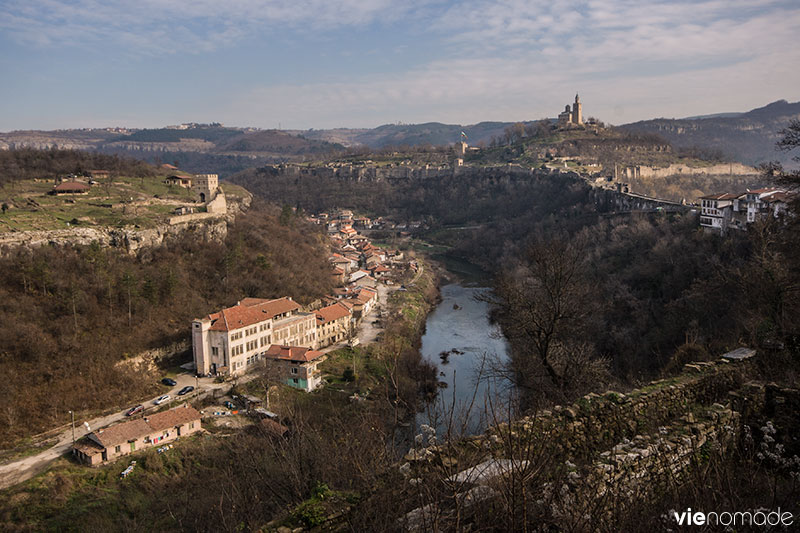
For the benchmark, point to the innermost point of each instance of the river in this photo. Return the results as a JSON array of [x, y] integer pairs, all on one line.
[[460, 327]]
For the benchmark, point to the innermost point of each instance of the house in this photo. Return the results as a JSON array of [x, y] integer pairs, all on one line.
[[181, 180], [720, 212], [232, 340], [381, 271], [344, 263], [297, 366], [71, 187], [717, 210], [347, 232], [338, 275], [121, 439], [184, 210], [333, 324], [99, 174]]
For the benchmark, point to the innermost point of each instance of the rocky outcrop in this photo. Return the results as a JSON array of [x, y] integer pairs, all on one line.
[[207, 226]]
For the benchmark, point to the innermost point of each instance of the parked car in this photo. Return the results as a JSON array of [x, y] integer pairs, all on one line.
[[133, 410], [186, 390], [162, 399], [169, 382]]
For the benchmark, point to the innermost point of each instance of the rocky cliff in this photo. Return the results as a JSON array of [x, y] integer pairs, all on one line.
[[132, 239]]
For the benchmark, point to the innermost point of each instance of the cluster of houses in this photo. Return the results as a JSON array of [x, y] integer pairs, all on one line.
[[278, 335], [287, 337], [724, 211]]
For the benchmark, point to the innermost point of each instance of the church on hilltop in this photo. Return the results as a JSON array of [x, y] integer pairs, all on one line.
[[572, 117]]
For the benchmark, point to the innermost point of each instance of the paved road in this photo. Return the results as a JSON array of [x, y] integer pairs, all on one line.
[[22, 469]]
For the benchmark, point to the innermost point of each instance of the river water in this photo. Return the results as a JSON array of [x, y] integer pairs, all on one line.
[[475, 395]]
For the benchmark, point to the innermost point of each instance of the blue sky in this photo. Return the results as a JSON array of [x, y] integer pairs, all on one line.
[[362, 63]]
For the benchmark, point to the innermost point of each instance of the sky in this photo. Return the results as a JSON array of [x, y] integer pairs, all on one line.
[[300, 64]]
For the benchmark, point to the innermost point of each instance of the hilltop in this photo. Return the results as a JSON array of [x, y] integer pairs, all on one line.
[[192, 147], [53, 197], [745, 137]]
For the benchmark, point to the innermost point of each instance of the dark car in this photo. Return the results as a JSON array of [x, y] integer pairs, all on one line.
[[133, 410], [186, 390], [169, 382]]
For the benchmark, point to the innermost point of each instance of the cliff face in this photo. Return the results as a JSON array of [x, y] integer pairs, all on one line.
[[131, 239]]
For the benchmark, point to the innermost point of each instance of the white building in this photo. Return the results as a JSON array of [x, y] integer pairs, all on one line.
[[231, 340]]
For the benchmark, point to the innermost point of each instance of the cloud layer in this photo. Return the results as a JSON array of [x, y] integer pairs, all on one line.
[[488, 59]]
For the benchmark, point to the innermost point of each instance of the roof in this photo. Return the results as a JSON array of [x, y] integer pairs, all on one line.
[[134, 429], [250, 311], [332, 312], [172, 418], [763, 190], [292, 353], [171, 167], [365, 295], [121, 433], [720, 196], [71, 186]]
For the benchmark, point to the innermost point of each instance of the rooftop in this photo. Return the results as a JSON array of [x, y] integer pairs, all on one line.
[[250, 311]]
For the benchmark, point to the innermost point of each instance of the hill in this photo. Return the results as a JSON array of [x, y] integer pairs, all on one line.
[[748, 138], [126, 193], [194, 147]]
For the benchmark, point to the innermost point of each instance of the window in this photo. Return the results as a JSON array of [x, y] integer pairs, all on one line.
[[294, 380], [118, 449], [294, 370], [214, 350], [191, 425]]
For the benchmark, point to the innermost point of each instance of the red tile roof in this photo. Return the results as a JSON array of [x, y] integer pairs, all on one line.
[[292, 353], [135, 429], [173, 418], [250, 311], [332, 312]]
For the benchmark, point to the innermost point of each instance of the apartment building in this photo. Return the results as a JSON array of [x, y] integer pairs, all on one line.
[[233, 339]]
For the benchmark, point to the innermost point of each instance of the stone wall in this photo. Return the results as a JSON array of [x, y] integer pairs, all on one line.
[[722, 169]]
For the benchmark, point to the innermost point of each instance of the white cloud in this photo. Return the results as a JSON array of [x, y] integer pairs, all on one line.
[[161, 26], [630, 63]]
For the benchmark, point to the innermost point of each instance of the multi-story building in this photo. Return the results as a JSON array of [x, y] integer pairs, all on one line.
[[231, 340], [720, 212], [334, 324], [716, 210], [296, 366], [121, 439]]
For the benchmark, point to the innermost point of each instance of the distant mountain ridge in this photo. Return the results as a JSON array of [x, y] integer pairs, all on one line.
[[748, 137]]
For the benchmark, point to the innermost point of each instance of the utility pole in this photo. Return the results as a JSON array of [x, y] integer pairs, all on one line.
[[73, 430]]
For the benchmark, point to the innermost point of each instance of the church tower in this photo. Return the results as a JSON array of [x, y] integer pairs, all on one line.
[[577, 111]]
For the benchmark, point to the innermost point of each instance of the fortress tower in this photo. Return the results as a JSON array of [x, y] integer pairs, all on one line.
[[577, 111]]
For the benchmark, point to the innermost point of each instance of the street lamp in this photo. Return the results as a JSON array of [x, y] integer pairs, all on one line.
[[73, 430]]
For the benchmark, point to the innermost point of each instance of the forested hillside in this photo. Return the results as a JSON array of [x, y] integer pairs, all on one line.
[[68, 315]]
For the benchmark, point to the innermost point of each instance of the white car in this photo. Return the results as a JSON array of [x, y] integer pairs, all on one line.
[[162, 399]]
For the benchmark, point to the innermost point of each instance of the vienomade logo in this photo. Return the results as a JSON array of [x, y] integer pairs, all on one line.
[[760, 517]]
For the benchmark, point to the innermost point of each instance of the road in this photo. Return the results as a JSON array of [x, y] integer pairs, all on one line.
[[25, 468]]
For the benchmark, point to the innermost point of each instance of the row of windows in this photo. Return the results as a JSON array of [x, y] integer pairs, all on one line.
[[236, 336]]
